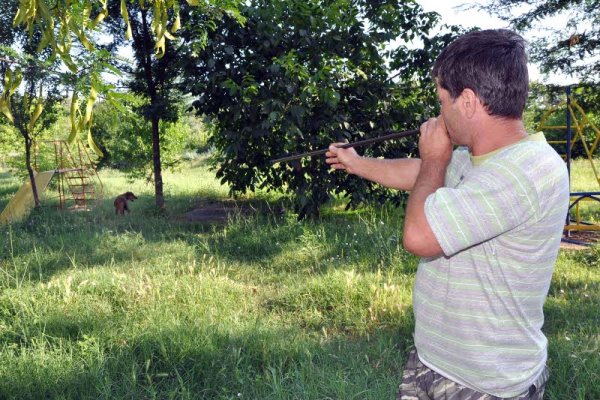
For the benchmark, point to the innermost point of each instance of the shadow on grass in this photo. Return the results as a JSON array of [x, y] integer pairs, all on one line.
[[89, 352], [204, 361], [281, 244], [50, 241]]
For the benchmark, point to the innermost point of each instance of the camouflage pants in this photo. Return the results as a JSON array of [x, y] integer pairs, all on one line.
[[421, 383]]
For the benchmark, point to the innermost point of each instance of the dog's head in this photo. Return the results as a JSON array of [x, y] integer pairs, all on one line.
[[130, 196]]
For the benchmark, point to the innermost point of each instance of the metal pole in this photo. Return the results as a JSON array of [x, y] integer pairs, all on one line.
[[569, 139]]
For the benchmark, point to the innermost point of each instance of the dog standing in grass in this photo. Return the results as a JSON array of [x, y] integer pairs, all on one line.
[[121, 202]]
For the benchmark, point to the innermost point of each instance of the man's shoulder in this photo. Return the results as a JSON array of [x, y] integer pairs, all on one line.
[[538, 168], [533, 144], [536, 159]]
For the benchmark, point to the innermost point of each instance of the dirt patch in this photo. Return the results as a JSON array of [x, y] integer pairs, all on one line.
[[580, 240], [218, 212]]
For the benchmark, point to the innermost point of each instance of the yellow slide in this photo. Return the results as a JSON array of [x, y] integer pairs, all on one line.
[[22, 202]]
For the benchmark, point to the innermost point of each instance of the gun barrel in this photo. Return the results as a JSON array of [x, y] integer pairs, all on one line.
[[383, 138]]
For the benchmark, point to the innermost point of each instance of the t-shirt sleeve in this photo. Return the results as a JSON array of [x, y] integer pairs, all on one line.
[[492, 199]]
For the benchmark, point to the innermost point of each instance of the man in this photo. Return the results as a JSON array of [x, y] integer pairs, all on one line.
[[486, 219]]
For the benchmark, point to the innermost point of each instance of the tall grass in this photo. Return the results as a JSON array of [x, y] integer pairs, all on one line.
[[145, 306], [583, 179]]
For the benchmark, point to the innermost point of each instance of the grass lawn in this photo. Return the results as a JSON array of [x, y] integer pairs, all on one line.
[[99, 306]]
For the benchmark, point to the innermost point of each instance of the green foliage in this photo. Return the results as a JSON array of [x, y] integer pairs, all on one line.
[[8, 8], [23, 106], [36, 43], [298, 76], [9, 144], [30, 91], [148, 76], [12, 155], [64, 28], [154, 74], [125, 137], [30, 82], [17, 138]]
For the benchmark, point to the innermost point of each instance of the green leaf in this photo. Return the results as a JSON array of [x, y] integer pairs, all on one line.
[[115, 102], [273, 116], [112, 68]]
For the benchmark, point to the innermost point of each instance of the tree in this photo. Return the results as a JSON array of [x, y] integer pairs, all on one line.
[[8, 9], [155, 73], [126, 138], [300, 74], [34, 108], [571, 47], [569, 44], [69, 25], [153, 77]]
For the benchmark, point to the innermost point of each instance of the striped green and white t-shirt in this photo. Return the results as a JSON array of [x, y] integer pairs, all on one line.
[[478, 309]]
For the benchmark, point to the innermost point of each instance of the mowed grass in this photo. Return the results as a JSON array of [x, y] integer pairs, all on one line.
[[151, 306]]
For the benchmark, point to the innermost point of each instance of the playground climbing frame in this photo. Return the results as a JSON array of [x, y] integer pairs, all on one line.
[[77, 179], [578, 130]]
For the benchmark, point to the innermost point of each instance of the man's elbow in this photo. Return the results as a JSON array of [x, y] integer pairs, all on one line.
[[422, 244]]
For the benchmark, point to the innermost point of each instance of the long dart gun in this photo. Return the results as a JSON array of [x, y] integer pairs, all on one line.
[[393, 135]]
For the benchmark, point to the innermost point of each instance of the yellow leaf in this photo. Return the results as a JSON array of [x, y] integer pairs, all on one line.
[[125, 15], [73, 116], [12, 80], [90, 106], [18, 17], [98, 20], [93, 145], [168, 35], [101, 15], [160, 47], [39, 108], [82, 38], [66, 58], [87, 11], [361, 73], [177, 24], [5, 109], [44, 11]]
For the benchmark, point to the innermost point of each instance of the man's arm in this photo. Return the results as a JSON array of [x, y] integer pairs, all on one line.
[[400, 173], [436, 150]]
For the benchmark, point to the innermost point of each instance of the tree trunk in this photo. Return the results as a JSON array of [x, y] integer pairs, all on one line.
[[36, 199], [158, 183], [146, 61]]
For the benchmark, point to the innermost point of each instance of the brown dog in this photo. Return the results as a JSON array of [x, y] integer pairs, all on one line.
[[121, 202]]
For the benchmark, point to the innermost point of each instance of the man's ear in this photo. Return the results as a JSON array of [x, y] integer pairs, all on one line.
[[469, 102]]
